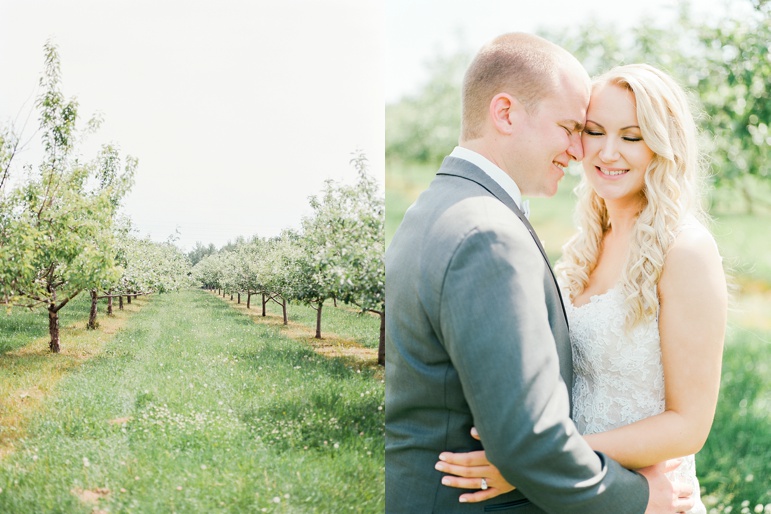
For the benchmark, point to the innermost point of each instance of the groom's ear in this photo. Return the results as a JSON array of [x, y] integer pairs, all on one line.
[[505, 112]]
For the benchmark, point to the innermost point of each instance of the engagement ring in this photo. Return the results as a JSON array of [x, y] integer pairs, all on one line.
[[484, 484]]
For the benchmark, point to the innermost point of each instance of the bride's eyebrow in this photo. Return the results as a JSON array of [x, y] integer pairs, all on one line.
[[622, 128]]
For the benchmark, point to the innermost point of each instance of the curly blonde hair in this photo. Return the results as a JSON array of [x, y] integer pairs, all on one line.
[[673, 186]]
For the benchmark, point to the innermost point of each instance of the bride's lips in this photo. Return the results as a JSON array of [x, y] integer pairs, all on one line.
[[611, 173]]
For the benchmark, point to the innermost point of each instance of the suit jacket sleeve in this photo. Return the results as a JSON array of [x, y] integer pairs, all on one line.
[[494, 325]]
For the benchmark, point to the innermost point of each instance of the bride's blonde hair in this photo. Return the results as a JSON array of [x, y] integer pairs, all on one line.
[[672, 190]]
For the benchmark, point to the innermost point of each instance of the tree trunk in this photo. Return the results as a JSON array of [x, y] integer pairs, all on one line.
[[128, 299], [53, 328], [318, 320], [231, 296], [248, 299], [239, 298], [334, 301], [381, 346], [91, 325], [264, 301], [120, 303], [109, 303], [283, 305]]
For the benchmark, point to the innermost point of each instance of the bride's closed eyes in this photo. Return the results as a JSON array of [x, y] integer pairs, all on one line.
[[595, 132]]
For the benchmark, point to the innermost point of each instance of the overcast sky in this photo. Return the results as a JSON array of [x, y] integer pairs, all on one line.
[[238, 110], [417, 31]]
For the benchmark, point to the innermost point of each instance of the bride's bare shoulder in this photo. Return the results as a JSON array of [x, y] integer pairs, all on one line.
[[692, 234], [694, 255]]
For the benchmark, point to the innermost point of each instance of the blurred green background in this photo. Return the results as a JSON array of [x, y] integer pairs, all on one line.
[[727, 68]]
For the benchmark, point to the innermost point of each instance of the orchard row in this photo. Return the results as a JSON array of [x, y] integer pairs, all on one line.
[[338, 255], [61, 233]]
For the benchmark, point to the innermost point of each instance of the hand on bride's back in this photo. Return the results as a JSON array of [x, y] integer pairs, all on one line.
[[666, 496], [466, 471]]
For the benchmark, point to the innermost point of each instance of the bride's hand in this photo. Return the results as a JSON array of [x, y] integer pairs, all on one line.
[[469, 470]]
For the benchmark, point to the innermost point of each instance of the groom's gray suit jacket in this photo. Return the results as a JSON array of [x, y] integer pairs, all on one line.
[[476, 334]]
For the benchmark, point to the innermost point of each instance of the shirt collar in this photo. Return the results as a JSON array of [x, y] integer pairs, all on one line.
[[494, 172]]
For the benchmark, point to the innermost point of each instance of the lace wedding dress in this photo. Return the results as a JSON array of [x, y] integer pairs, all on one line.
[[619, 377]]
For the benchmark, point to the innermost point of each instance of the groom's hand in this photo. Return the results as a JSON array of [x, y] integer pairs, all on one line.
[[665, 496]]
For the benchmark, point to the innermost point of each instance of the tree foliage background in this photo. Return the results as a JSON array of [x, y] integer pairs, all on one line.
[[725, 66]]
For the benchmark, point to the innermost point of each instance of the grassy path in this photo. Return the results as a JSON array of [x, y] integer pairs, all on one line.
[[29, 373], [193, 407], [355, 338]]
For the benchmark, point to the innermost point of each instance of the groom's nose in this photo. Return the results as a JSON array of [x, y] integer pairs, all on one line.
[[576, 149]]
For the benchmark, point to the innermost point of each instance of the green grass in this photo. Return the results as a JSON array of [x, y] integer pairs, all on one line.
[[344, 320], [735, 464], [745, 246], [194, 407], [19, 325]]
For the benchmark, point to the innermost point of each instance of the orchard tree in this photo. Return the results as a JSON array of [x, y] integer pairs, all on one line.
[[229, 264], [355, 245], [61, 219], [276, 267], [200, 251], [308, 283], [208, 272], [113, 183], [146, 267], [251, 258], [346, 239], [9, 144], [733, 84], [14, 246]]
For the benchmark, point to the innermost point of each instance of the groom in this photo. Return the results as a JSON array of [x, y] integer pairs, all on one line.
[[476, 333]]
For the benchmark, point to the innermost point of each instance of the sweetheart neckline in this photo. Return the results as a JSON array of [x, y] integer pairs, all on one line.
[[594, 298]]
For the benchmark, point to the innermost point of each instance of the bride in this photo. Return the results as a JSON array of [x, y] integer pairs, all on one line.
[[643, 284]]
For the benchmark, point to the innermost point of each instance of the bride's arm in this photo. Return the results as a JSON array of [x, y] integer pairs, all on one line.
[[692, 320]]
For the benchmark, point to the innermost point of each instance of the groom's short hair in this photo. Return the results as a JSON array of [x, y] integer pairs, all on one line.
[[523, 65]]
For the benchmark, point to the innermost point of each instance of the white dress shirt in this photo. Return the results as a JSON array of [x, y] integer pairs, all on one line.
[[497, 174]]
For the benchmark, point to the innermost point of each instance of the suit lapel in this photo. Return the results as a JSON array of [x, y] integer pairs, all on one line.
[[460, 168]]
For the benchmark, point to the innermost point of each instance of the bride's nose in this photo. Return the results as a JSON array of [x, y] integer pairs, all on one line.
[[609, 151]]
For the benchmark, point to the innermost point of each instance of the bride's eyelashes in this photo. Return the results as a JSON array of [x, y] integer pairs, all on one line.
[[596, 133]]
